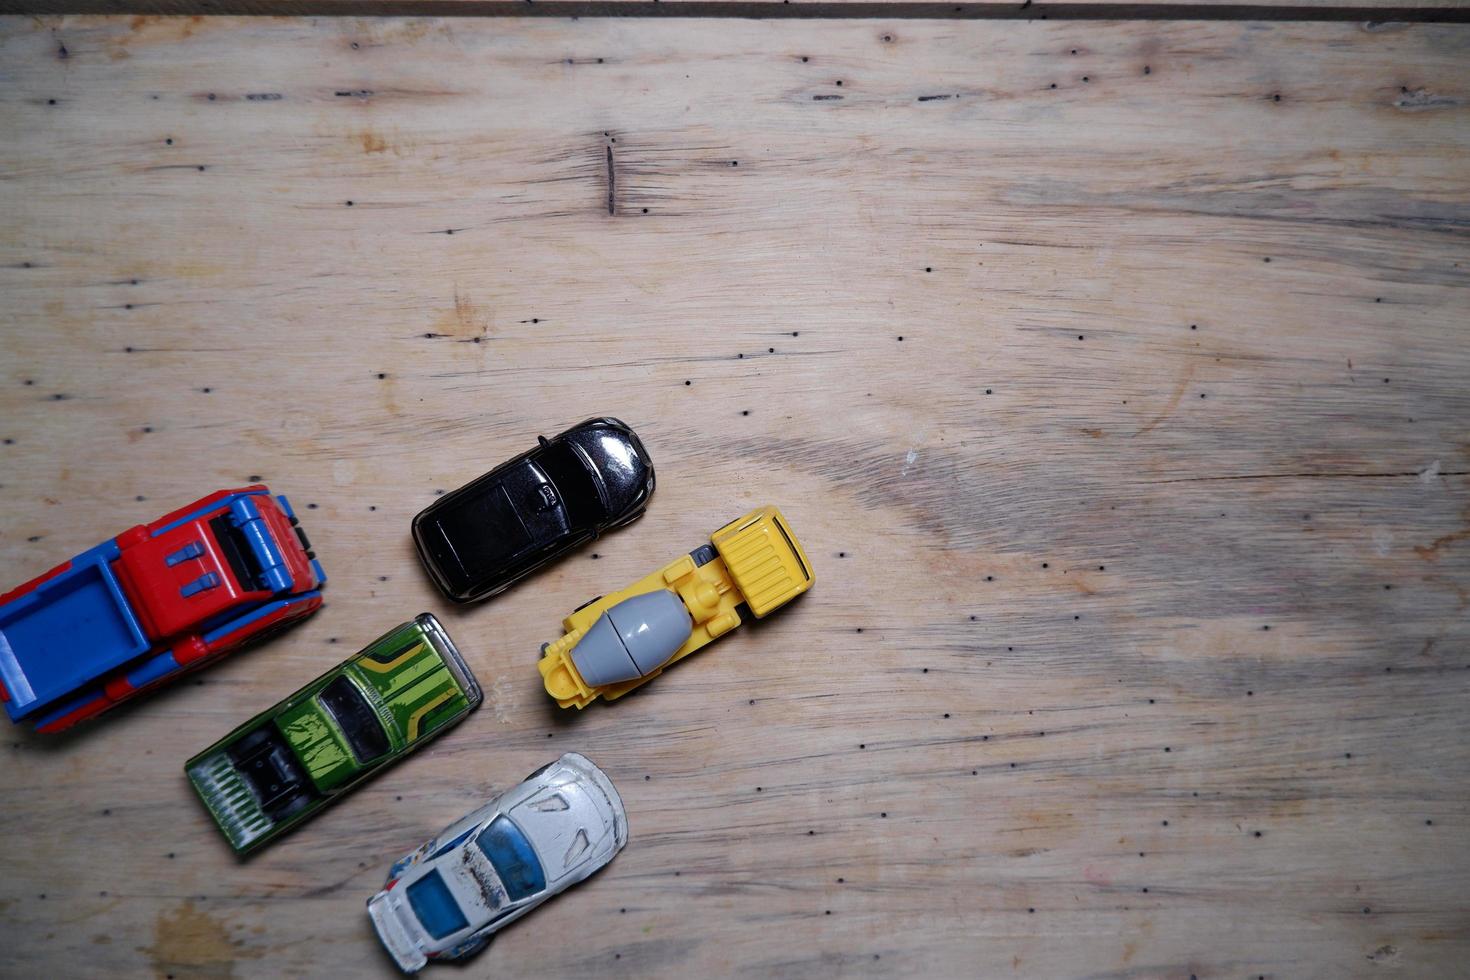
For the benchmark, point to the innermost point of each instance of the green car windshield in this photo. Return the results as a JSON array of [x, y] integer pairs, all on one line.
[[356, 718]]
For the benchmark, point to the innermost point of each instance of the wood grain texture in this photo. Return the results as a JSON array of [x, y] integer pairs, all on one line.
[[1114, 376], [1373, 12]]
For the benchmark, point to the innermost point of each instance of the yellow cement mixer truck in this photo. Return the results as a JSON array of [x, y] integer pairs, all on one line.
[[620, 641]]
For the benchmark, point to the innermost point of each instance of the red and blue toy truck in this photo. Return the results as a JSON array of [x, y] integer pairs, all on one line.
[[157, 600]]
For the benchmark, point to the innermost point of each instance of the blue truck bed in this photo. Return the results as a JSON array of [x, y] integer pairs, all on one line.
[[85, 604]]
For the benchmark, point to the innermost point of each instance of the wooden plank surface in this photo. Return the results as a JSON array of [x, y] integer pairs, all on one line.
[[1114, 376], [1375, 11]]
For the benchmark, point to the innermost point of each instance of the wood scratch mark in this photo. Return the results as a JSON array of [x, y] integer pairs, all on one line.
[[1430, 552], [1173, 403], [612, 183]]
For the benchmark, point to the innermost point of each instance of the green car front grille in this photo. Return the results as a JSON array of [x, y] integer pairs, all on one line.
[[230, 801]]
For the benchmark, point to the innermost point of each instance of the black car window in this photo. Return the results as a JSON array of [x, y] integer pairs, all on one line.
[[357, 719], [477, 533], [574, 484], [237, 553]]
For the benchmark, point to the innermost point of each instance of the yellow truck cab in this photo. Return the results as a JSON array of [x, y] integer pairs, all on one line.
[[617, 642]]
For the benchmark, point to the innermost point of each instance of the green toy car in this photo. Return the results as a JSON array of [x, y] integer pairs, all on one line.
[[290, 761]]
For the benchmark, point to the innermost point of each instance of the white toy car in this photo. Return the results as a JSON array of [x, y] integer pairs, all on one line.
[[445, 900]]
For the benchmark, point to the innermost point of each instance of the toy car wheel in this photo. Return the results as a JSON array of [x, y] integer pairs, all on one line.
[[469, 947]]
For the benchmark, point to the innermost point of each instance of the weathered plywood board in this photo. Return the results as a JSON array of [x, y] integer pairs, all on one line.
[[1114, 376], [1455, 11]]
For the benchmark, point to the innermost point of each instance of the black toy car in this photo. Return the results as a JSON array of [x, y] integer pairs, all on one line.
[[491, 533]]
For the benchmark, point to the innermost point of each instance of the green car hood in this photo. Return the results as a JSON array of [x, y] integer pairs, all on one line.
[[413, 685]]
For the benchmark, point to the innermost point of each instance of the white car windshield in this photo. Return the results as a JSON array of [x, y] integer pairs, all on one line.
[[432, 902], [513, 857]]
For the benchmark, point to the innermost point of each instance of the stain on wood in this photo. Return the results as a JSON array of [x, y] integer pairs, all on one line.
[[1100, 676], [188, 941]]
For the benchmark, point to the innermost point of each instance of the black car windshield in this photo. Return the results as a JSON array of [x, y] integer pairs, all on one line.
[[574, 484], [357, 719], [237, 553]]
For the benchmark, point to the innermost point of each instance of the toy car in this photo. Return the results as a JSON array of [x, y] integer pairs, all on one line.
[[484, 537], [445, 900], [616, 643], [290, 761], [159, 599]]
